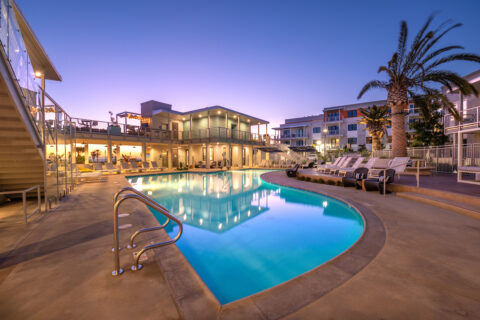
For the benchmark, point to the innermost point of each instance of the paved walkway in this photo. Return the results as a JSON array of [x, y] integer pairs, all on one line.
[[60, 265], [428, 268]]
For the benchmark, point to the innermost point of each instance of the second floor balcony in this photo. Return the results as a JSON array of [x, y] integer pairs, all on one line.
[[470, 121], [87, 128]]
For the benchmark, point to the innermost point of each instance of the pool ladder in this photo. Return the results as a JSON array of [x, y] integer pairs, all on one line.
[[136, 195]]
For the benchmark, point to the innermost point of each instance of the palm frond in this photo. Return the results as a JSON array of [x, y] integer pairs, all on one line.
[[454, 57], [440, 51], [442, 76], [402, 41], [372, 84]]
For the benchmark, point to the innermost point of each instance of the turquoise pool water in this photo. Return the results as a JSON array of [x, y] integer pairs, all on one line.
[[243, 235]]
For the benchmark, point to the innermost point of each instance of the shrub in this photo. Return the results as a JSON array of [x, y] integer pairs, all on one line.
[[339, 183], [308, 179], [301, 178], [331, 182], [321, 181]]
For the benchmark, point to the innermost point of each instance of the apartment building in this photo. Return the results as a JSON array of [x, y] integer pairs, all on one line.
[[338, 127]]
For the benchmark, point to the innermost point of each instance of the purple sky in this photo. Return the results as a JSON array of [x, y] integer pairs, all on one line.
[[271, 59]]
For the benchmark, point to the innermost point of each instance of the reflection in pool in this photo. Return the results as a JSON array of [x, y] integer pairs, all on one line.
[[243, 235]]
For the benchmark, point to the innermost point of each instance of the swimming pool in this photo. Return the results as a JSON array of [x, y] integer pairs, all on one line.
[[243, 235]]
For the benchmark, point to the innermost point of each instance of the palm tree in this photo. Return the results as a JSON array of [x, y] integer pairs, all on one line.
[[376, 119], [413, 70]]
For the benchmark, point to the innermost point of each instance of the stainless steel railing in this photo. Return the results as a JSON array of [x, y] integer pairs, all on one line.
[[152, 204]]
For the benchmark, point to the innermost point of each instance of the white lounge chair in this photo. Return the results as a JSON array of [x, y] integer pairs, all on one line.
[[338, 161], [355, 165], [347, 163], [125, 167], [97, 166], [135, 167]]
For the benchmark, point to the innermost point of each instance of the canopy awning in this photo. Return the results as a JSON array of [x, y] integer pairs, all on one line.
[[269, 149], [302, 149]]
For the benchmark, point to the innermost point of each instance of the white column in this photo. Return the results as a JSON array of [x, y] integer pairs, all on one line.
[[459, 154], [170, 155], [207, 156], [241, 156], [109, 153], [208, 123], [144, 151]]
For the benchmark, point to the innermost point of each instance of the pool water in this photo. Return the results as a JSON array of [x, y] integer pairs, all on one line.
[[243, 235]]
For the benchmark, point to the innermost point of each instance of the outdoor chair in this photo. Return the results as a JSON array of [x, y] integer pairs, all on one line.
[[292, 172], [308, 166], [354, 177], [135, 166], [356, 164], [347, 163], [110, 168], [98, 167], [378, 183], [327, 166], [146, 166], [125, 167], [155, 166]]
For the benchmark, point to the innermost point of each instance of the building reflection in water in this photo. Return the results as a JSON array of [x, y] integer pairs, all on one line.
[[221, 201], [216, 201]]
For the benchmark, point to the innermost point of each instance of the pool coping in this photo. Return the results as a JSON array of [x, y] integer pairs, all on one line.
[[195, 300]]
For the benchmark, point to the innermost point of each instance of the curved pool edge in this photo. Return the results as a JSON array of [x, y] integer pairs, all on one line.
[[292, 295], [195, 300]]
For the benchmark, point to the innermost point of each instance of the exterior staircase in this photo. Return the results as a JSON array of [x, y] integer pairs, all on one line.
[[21, 162]]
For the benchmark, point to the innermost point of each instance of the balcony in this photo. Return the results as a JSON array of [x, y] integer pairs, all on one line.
[[93, 129], [470, 121]]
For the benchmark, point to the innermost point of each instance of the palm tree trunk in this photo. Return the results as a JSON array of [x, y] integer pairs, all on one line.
[[397, 100], [376, 144]]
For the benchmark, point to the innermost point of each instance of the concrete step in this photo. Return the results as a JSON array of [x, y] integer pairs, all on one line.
[[456, 206]]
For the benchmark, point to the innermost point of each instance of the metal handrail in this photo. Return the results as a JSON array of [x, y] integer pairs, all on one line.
[[152, 204]]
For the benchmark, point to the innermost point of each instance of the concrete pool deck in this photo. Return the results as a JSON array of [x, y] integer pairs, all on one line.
[[60, 266]]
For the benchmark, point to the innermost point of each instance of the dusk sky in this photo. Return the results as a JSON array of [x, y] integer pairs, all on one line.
[[270, 59]]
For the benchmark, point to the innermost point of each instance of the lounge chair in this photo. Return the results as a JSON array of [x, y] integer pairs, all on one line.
[[309, 165], [347, 163], [146, 166], [293, 171], [135, 166], [86, 175], [327, 166], [379, 183], [125, 167], [357, 175], [111, 168], [97, 166], [155, 166], [356, 164]]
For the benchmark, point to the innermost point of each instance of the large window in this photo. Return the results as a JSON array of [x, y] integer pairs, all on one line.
[[333, 116], [286, 133], [333, 130], [352, 141], [299, 132], [317, 130], [352, 113], [299, 143], [352, 127]]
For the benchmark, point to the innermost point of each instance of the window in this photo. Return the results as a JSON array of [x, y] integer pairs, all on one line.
[[299, 143], [286, 133], [317, 130], [352, 113], [369, 140], [352, 127], [333, 130], [411, 108], [333, 116], [299, 132], [352, 141]]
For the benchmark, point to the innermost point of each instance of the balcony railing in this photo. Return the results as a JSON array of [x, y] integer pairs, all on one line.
[[96, 128], [470, 120]]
